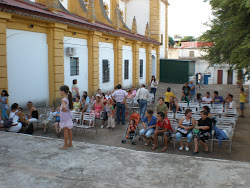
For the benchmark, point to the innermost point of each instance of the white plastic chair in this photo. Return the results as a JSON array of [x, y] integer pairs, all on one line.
[[216, 111], [88, 122], [196, 116], [191, 108], [179, 115], [170, 115], [76, 117], [229, 131]]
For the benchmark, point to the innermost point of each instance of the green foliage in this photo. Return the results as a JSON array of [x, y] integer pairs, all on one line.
[[230, 32], [188, 38], [170, 41]]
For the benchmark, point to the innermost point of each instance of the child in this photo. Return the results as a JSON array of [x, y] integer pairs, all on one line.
[[243, 96], [131, 128], [57, 121], [66, 122], [169, 94], [163, 127], [49, 120], [4, 104], [111, 114], [75, 90], [77, 104], [184, 98]]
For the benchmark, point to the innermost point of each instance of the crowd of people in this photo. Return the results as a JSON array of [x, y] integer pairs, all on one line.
[[114, 104]]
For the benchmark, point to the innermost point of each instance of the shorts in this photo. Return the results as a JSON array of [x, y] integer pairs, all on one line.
[[46, 122], [168, 133], [57, 121], [242, 106]]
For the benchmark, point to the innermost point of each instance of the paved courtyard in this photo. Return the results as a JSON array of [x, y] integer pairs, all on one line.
[[240, 147], [29, 161]]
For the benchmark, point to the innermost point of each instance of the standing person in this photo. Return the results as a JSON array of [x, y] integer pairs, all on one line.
[[217, 99], [200, 80], [120, 97], [153, 86], [186, 89], [243, 97], [66, 122], [109, 108], [192, 91], [4, 104], [75, 90], [142, 95], [169, 94]]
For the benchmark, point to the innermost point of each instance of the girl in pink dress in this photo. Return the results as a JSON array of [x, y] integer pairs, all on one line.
[[97, 107], [66, 122]]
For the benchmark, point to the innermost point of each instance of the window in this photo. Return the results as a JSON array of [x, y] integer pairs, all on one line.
[[191, 53], [74, 66], [105, 71], [141, 68], [126, 67]]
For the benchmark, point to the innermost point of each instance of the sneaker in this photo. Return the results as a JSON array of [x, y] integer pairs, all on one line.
[[187, 148], [101, 126], [181, 148]]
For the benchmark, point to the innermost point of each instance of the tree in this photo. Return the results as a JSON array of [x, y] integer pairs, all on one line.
[[170, 41], [188, 38], [230, 34]]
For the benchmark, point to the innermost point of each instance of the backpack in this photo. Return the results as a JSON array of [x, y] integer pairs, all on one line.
[[7, 124]]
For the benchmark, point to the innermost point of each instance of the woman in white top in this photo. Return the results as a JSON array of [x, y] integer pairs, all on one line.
[[15, 114], [153, 86]]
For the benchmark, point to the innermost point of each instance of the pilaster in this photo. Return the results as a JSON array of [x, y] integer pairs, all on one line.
[[56, 61], [93, 66], [135, 49], [155, 19], [158, 63], [148, 63], [166, 31], [3, 52], [118, 74]]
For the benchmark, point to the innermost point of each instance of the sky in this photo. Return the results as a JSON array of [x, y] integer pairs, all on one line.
[[186, 17]]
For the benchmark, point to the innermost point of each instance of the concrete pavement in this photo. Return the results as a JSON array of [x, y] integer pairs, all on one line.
[[29, 161]]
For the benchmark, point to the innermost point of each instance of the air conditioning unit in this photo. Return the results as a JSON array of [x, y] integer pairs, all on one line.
[[70, 51]]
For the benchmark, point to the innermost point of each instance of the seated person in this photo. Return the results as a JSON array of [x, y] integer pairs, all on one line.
[[130, 95], [184, 98], [97, 106], [205, 128], [217, 99], [207, 98], [131, 128], [85, 106], [186, 124], [198, 98], [149, 124], [169, 94], [57, 121], [32, 116], [161, 106], [49, 120], [108, 95], [77, 104], [173, 106], [163, 127]]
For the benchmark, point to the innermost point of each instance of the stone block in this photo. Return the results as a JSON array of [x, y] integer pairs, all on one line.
[[2, 50], [3, 38], [3, 83], [59, 69], [3, 72], [3, 61], [59, 78], [58, 61]]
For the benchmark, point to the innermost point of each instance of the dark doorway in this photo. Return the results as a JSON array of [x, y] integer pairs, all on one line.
[[230, 77], [220, 77]]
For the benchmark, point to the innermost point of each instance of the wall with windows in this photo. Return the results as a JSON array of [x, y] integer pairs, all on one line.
[[142, 66], [106, 66], [76, 67], [127, 66], [27, 62]]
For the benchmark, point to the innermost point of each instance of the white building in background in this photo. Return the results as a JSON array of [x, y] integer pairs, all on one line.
[[217, 74]]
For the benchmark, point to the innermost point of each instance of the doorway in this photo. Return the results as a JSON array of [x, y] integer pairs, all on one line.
[[230, 77], [220, 77]]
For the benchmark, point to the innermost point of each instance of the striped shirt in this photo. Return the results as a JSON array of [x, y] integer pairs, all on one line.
[[119, 95]]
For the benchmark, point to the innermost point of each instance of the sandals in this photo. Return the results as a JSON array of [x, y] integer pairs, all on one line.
[[153, 148], [63, 148], [164, 149]]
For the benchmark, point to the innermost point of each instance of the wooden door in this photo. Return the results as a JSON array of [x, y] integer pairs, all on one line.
[[220, 77], [230, 77]]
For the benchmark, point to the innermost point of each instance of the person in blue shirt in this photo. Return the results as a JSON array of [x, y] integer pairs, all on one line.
[[149, 124], [217, 99], [192, 91], [57, 127]]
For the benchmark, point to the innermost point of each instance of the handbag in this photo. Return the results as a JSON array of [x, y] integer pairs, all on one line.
[[183, 131], [7, 124], [196, 131]]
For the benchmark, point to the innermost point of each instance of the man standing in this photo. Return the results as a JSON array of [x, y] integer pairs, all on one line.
[[192, 91], [142, 95], [186, 90], [120, 97]]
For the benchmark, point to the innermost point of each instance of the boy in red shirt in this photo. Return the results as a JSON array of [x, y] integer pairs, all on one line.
[[163, 127]]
